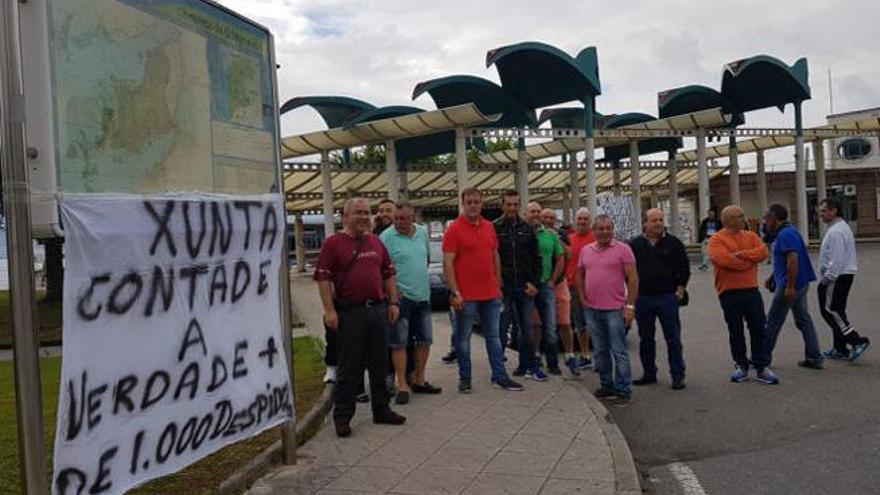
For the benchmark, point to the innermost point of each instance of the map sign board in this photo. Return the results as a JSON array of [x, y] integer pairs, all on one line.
[[131, 96]]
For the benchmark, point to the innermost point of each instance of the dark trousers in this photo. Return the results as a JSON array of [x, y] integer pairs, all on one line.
[[518, 309], [361, 341], [662, 307], [832, 303], [740, 305]]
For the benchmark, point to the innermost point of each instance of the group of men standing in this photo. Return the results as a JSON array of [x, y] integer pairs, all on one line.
[[530, 285]]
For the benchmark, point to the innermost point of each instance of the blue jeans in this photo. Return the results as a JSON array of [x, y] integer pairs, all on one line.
[[610, 355], [799, 309], [545, 302], [746, 304], [519, 308], [488, 313], [453, 335], [413, 325], [663, 307]]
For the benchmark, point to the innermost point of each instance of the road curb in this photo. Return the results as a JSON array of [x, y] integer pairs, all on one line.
[[626, 476], [244, 477]]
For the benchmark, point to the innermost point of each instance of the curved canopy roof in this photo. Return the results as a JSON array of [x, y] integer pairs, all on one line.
[[380, 131], [646, 146], [429, 188], [541, 75], [763, 81], [489, 97], [335, 110], [693, 98], [571, 118]]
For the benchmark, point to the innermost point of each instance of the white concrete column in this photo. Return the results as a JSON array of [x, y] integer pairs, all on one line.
[[655, 198], [672, 166], [635, 178], [615, 171], [461, 171], [761, 180], [403, 183], [522, 172], [800, 173], [327, 194], [574, 184], [821, 184], [566, 205], [590, 158], [703, 200], [391, 171], [298, 231], [735, 198]]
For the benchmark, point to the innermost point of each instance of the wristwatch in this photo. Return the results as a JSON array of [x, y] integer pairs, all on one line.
[[630, 306], [455, 293]]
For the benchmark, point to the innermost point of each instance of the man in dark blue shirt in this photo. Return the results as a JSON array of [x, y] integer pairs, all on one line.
[[790, 282]]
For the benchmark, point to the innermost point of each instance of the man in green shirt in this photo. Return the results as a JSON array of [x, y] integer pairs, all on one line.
[[552, 265], [408, 245]]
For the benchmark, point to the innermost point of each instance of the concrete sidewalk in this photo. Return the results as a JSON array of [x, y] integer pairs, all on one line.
[[554, 437]]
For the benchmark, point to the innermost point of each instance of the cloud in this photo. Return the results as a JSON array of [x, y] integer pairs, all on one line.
[[377, 50]]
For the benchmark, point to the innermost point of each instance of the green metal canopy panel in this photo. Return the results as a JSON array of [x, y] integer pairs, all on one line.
[[541, 75], [489, 97], [570, 118], [763, 81], [693, 98], [335, 110], [409, 149], [703, 119], [380, 131], [646, 146]]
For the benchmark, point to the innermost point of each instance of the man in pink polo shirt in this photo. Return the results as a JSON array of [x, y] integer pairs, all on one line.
[[608, 284]]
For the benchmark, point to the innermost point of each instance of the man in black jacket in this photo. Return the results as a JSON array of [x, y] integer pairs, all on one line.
[[520, 273], [664, 271]]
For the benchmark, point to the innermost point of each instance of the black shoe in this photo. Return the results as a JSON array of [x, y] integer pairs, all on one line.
[[554, 370], [808, 363], [389, 418], [519, 372], [362, 397], [464, 386], [507, 384], [343, 429], [645, 380], [677, 384], [426, 388], [604, 393], [450, 357], [401, 398]]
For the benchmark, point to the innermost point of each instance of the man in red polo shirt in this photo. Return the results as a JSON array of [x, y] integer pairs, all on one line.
[[473, 268], [359, 293], [582, 236]]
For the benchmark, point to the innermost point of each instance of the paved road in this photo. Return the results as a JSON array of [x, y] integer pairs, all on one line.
[[817, 432]]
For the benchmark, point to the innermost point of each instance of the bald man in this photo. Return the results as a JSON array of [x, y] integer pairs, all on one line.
[[664, 271], [736, 254]]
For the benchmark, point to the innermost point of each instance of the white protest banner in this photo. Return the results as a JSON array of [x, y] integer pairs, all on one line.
[[172, 334]]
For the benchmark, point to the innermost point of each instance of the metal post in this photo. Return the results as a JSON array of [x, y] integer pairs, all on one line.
[[298, 231], [655, 198], [566, 205], [574, 184], [19, 247], [590, 155], [327, 195], [672, 166], [391, 171], [734, 173], [461, 171], [703, 201], [800, 172], [821, 184], [522, 172], [635, 179], [761, 177]]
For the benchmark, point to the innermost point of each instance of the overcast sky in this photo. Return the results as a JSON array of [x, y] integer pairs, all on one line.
[[378, 50]]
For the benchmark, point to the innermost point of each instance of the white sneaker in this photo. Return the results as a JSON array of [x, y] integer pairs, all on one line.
[[330, 375]]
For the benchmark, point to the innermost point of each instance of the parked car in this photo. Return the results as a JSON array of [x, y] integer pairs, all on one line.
[[439, 289]]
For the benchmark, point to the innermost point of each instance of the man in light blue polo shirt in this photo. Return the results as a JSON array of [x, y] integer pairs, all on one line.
[[408, 245]]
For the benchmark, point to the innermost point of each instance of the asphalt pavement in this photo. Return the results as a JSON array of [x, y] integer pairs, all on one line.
[[816, 432]]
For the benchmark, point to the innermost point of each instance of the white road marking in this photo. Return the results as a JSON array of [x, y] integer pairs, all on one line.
[[690, 484]]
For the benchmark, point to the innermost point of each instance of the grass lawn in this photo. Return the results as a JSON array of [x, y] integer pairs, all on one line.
[[48, 316], [202, 477]]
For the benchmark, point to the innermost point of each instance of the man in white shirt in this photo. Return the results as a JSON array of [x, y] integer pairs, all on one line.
[[837, 269]]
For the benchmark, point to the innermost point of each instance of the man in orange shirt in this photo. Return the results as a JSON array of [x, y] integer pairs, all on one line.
[[736, 254]]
